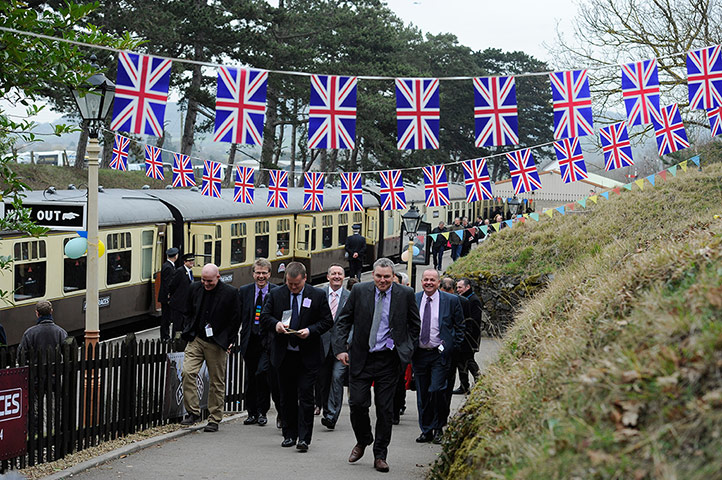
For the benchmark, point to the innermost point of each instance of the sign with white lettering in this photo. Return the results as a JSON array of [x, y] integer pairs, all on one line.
[[102, 302], [13, 412], [55, 215]]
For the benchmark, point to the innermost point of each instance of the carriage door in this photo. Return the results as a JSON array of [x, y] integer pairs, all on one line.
[[372, 226], [304, 230], [203, 236]]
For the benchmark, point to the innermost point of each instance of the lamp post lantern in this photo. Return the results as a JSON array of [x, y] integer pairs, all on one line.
[[412, 221], [514, 206], [93, 100]]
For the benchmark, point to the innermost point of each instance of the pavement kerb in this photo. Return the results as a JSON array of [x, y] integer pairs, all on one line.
[[131, 448]]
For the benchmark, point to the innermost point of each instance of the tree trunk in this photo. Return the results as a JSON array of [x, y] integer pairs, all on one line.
[[231, 162], [82, 145], [294, 128], [190, 121], [269, 134], [108, 139]]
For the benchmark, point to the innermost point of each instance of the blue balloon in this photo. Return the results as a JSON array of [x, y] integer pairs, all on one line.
[[416, 250], [76, 247], [83, 234]]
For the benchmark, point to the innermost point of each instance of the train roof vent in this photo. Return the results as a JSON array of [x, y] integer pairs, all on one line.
[[101, 189], [72, 186], [169, 187], [194, 189], [50, 190], [145, 187]]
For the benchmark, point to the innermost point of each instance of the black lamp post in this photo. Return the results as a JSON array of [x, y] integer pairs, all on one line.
[[412, 221], [514, 206], [93, 100]]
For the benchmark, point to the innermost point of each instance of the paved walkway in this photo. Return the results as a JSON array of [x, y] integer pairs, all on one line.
[[240, 451]]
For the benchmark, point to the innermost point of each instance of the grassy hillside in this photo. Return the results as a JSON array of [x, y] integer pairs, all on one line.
[[40, 177], [615, 370]]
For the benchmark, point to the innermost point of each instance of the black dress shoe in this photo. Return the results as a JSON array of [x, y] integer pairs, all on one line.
[[288, 442], [302, 446], [438, 436], [262, 420], [460, 391], [190, 419], [328, 423], [425, 438], [396, 420], [252, 419], [211, 427], [279, 422]]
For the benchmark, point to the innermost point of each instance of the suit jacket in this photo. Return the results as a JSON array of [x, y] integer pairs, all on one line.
[[466, 309], [178, 289], [247, 298], [316, 317], [356, 243], [166, 275], [225, 317], [451, 322], [440, 241], [358, 312], [473, 325], [326, 337]]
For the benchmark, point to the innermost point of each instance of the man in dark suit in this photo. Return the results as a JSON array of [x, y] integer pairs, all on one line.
[[442, 322], [437, 248], [472, 336], [211, 325], [329, 387], [298, 314], [385, 322], [166, 276], [356, 252], [178, 290], [253, 345]]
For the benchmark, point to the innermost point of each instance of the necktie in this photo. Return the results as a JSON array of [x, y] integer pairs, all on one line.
[[294, 319], [334, 304], [378, 309], [190, 275], [257, 319], [426, 324]]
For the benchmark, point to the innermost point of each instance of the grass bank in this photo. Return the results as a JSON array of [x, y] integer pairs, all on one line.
[[615, 369]]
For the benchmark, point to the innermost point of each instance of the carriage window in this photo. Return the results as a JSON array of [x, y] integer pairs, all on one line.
[[30, 268], [146, 265], [238, 243], [313, 235], [118, 250], [262, 239], [358, 217], [327, 231], [390, 223], [283, 237], [342, 228], [74, 272], [217, 253]]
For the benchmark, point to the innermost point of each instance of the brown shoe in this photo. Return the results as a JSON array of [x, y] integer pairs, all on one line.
[[357, 453], [381, 465]]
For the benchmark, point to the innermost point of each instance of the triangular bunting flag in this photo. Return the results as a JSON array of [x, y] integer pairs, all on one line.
[[650, 179], [526, 215], [570, 206], [496, 226], [509, 223], [695, 159], [628, 186], [663, 174], [683, 165], [534, 216], [471, 230], [550, 212], [433, 236], [560, 210], [673, 170], [593, 198], [640, 183], [605, 195], [485, 229], [616, 190], [446, 235], [522, 220], [582, 202]]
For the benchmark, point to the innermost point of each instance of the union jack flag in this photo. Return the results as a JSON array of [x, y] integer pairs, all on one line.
[[332, 114], [669, 130], [211, 186], [120, 153], [704, 78], [615, 146], [183, 171], [313, 191], [141, 92], [571, 160], [477, 180], [572, 104], [417, 113], [352, 199], [436, 187], [392, 190], [244, 187], [153, 162], [640, 90], [240, 105], [277, 189], [495, 111], [715, 120], [524, 177]]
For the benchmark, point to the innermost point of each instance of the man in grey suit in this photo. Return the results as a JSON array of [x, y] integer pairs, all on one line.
[[385, 321], [329, 386], [442, 331]]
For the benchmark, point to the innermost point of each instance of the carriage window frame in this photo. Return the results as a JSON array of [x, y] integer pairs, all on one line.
[[342, 229], [263, 236], [283, 237], [146, 254], [30, 254], [81, 268], [326, 231], [239, 236], [119, 253]]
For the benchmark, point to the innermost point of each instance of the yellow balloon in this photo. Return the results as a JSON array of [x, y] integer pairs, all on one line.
[[101, 248]]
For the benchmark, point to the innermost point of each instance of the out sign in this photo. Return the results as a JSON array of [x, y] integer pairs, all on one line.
[[55, 215]]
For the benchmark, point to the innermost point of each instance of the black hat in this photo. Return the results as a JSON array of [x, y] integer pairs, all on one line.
[[171, 252], [356, 227], [189, 256]]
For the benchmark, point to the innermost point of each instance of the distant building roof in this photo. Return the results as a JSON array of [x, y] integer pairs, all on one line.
[[593, 177]]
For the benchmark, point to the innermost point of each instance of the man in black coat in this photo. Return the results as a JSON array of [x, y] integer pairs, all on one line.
[[385, 322], [472, 336], [356, 252], [448, 285], [298, 314], [437, 249], [166, 276], [178, 290], [211, 325], [253, 345]]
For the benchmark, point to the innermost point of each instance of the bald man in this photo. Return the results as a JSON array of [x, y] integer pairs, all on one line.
[[210, 325]]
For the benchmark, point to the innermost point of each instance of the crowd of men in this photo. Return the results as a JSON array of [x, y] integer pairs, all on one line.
[[302, 344], [460, 236]]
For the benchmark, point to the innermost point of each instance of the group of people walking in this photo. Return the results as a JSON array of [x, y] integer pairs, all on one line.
[[299, 343], [460, 236]]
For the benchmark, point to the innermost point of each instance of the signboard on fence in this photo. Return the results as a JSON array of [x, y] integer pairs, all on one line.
[[173, 404], [13, 412]]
